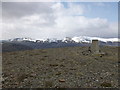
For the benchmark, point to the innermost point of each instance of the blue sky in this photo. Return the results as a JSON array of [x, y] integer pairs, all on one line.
[[107, 10]]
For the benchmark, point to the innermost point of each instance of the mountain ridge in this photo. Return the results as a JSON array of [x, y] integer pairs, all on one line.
[[75, 39]]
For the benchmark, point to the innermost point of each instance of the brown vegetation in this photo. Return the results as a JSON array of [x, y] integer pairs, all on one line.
[[60, 68]]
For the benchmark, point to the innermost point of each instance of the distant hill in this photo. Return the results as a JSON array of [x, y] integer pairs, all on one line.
[[8, 47], [19, 46]]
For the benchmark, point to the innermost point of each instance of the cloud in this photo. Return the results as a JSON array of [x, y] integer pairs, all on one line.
[[52, 20], [20, 9], [71, 9]]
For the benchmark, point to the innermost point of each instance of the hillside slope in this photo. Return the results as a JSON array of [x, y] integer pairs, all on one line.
[[60, 68], [9, 47]]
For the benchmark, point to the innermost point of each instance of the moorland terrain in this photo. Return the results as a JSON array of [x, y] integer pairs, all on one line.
[[68, 67]]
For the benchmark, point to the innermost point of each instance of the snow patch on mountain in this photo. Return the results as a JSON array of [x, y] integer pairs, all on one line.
[[79, 39], [23, 39], [89, 39]]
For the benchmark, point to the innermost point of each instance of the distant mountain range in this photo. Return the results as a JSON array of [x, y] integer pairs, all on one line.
[[18, 44], [80, 39]]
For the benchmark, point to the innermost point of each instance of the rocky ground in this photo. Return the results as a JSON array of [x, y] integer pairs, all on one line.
[[70, 67]]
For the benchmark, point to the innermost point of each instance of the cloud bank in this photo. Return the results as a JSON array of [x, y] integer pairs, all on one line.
[[52, 20]]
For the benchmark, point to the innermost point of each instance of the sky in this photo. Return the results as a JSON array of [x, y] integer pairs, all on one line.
[[40, 20]]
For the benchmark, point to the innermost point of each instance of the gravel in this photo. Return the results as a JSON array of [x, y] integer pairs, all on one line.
[[60, 68]]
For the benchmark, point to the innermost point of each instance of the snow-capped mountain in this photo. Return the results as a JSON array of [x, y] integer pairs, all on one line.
[[23, 39], [80, 39], [17, 44], [89, 39]]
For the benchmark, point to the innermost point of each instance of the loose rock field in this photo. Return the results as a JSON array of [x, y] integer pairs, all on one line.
[[60, 68]]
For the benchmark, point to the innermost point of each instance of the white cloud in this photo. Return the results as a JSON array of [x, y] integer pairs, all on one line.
[[34, 19], [71, 9], [58, 22]]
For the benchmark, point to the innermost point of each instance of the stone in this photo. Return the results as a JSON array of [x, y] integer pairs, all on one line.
[[61, 80]]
